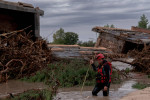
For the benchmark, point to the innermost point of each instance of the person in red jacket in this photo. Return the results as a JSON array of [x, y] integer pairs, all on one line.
[[103, 77]]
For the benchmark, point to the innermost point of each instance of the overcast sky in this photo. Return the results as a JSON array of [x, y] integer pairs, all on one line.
[[80, 16]]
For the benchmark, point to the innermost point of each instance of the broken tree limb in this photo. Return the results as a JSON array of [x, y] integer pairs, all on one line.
[[142, 59], [20, 55], [14, 32]]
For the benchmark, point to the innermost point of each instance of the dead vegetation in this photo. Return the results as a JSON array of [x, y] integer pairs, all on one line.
[[20, 55], [142, 59]]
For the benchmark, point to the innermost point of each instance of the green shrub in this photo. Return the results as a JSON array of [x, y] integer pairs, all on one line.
[[115, 77], [40, 76], [69, 73], [86, 44], [34, 95], [139, 86], [148, 76], [127, 70]]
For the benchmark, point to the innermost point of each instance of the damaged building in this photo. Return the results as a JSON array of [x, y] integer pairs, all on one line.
[[122, 40], [16, 16]]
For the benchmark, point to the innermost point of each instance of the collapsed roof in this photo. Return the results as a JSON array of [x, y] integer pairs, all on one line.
[[125, 34]]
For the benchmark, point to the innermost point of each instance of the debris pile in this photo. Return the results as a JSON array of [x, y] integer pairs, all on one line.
[[114, 56], [142, 59], [20, 55]]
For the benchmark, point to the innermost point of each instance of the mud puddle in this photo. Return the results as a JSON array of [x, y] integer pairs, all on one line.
[[16, 86], [117, 91]]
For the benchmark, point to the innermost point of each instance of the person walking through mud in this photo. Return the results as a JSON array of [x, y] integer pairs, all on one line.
[[103, 77]]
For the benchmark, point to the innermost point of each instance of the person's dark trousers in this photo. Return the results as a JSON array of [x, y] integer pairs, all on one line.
[[98, 87]]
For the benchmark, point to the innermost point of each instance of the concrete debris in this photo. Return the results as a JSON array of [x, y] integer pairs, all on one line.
[[75, 51]]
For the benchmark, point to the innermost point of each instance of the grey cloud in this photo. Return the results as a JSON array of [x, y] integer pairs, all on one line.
[[88, 19], [85, 14]]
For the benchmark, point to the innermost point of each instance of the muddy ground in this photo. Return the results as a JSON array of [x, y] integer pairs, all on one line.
[[138, 95], [16, 87], [117, 91]]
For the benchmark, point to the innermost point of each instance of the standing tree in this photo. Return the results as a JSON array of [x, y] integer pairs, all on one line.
[[143, 22], [106, 25], [71, 38], [61, 37], [112, 26], [58, 37], [109, 26]]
